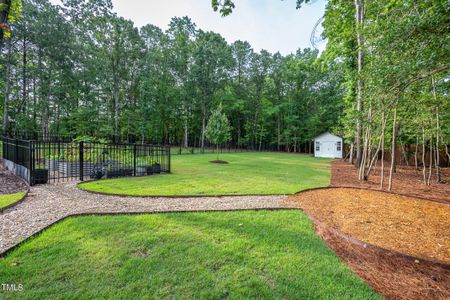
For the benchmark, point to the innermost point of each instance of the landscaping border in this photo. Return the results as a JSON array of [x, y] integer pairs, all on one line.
[[420, 278], [348, 238], [93, 214], [370, 190], [243, 195], [358, 255], [15, 203], [174, 196]]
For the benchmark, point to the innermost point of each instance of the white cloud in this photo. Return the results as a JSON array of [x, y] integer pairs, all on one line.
[[273, 25]]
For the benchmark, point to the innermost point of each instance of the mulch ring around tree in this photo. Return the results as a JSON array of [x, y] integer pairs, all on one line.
[[399, 245], [10, 183], [218, 162]]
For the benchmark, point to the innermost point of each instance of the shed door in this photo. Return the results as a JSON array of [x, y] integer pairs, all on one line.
[[328, 149]]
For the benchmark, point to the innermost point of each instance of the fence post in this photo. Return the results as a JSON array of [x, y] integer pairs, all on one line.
[[31, 167], [16, 154], [134, 159], [81, 160], [168, 150]]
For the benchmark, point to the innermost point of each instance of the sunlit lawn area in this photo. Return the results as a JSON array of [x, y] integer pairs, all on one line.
[[9, 199], [236, 255], [246, 173]]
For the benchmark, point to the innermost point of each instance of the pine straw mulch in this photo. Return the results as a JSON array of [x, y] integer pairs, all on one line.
[[406, 225], [10, 183], [390, 274], [406, 181]]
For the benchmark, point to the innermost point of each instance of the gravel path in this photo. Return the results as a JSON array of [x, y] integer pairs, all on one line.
[[49, 203]]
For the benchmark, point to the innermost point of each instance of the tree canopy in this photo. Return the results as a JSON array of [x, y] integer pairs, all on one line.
[[218, 128], [79, 69], [382, 82]]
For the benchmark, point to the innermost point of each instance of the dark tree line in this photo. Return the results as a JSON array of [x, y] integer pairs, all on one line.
[[395, 64], [82, 70]]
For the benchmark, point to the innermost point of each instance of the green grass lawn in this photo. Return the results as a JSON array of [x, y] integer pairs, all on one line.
[[9, 199], [246, 173], [236, 255]]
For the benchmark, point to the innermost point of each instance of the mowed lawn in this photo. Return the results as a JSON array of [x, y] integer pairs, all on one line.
[[216, 255], [8, 199], [246, 173]]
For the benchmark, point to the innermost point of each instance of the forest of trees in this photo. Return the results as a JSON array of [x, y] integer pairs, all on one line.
[[82, 70], [395, 57], [382, 83]]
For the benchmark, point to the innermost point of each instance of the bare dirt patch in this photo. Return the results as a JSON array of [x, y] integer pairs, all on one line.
[[10, 183], [406, 181]]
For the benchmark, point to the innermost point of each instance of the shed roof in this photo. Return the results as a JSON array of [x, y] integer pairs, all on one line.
[[320, 135]]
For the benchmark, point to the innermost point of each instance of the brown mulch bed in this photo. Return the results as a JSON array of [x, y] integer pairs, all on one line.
[[390, 274], [406, 181], [10, 183], [402, 224]]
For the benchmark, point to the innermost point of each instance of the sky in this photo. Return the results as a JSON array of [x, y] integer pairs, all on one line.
[[273, 25]]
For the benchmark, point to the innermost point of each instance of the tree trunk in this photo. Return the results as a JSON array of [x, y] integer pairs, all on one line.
[[217, 149], [405, 157], [116, 114], [431, 161], [438, 128], [423, 157], [366, 151], [394, 127], [416, 163], [375, 156], [239, 134], [7, 89], [397, 130], [3, 19], [34, 100], [202, 141], [436, 162], [278, 132], [447, 153], [24, 74], [359, 6], [254, 135], [352, 145], [185, 139], [382, 151]]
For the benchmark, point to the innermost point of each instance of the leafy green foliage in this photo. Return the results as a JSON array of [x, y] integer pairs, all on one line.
[[218, 129], [81, 70]]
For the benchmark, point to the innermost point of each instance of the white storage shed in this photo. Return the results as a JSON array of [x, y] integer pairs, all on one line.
[[328, 145]]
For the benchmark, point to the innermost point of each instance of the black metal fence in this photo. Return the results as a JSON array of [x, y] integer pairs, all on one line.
[[176, 150], [17, 157], [53, 161]]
